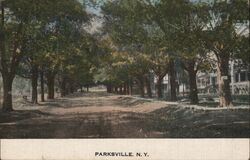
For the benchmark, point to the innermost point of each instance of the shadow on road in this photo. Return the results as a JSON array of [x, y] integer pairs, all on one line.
[[100, 115]]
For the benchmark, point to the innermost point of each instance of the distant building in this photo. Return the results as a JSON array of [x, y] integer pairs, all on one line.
[[207, 82]]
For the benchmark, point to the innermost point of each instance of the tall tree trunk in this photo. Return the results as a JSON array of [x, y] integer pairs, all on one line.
[[7, 76], [42, 86], [87, 88], [127, 88], [148, 86], [223, 79], [7, 93], [72, 88], [141, 86], [193, 87], [8, 66], [51, 85], [159, 86], [34, 79], [172, 80], [109, 88], [130, 87], [116, 89], [120, 89], [63, 86]]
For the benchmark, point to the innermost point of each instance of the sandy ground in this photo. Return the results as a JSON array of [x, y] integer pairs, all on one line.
[[102, 115]]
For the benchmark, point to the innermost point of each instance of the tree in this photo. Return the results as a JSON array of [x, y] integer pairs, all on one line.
[[12, 44], [135, 33], [222, 39], [189, 44], [63, 32], [15, 33], [30, 63], [76, 67], [127, 34], [167, 16]]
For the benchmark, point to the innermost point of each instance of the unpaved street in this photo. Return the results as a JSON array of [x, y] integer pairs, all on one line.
[[102, 115]]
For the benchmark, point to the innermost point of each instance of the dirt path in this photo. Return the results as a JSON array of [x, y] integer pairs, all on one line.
[[102, 115]]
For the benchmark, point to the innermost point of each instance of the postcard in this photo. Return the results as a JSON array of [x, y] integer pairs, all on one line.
[[124, 80]]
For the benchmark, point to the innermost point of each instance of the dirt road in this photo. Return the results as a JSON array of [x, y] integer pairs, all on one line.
[[102, 115]]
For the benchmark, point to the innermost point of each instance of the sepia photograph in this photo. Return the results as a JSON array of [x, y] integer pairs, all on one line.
[[124, 69]]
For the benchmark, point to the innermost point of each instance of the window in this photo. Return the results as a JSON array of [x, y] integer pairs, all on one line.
[[243, 76]]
